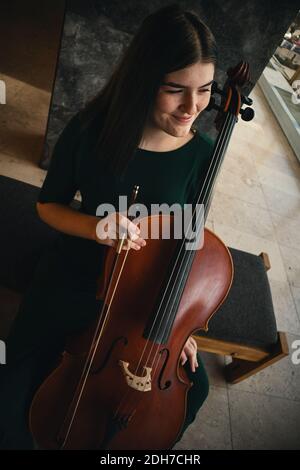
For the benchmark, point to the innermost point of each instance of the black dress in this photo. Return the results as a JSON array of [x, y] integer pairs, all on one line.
[[61, 299]]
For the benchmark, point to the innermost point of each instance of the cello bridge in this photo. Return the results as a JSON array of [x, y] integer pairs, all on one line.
[[142, 384]]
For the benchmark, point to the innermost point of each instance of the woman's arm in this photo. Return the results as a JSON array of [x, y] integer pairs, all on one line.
[[68, 220]]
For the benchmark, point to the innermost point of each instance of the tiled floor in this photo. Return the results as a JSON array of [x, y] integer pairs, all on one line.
[[256, 208]]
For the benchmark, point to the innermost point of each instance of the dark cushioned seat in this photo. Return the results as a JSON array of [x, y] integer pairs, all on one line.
[[247, 315], [23, 236]]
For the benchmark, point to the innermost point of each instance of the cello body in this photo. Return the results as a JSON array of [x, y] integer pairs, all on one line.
[[134, 395]]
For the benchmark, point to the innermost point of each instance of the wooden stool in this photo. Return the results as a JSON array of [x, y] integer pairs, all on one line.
[[244, 327]]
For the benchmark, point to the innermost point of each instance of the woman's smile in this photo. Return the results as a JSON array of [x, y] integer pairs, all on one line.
[[183, 121]]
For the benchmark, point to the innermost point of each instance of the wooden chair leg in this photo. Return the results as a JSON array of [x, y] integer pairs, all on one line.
[[266, 260], [240, 369]]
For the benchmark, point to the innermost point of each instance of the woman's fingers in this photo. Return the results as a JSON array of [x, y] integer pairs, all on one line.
[[136, 240], [183, 357], [194, 342], [132, 232], [190, 351], [129, 244], [126, 226], [112, 228], [195, 349]]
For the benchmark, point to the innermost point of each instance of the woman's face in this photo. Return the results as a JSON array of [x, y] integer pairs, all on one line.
[[181, 98]]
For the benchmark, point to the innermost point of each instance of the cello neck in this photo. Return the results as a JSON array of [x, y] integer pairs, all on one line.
[[227, 117]]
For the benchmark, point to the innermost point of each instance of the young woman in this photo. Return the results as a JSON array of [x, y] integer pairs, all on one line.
[[137, 130]]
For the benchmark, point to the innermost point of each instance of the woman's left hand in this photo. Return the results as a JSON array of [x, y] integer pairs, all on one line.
[[190, 352]]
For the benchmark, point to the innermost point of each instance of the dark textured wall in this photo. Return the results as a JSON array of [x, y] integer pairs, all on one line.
[[96, 32]]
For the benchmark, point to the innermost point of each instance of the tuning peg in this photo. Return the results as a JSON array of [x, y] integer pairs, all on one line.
[[212, 105], [215, 89], [247, 114], [246, 100]]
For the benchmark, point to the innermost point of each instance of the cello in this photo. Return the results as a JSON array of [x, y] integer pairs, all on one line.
[[119, 384]]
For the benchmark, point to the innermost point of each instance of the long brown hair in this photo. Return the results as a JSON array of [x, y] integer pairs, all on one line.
[[168, 40]]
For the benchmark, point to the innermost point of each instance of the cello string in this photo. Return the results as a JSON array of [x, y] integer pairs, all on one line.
[[180, 270], [190, 254]]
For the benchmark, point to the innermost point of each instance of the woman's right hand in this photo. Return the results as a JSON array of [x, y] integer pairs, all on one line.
[[109, 231]]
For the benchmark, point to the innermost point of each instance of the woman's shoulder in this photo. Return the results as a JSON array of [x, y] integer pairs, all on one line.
[[71, 130], [203, 150], [204, 139], [77, 123], [77, 130]]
